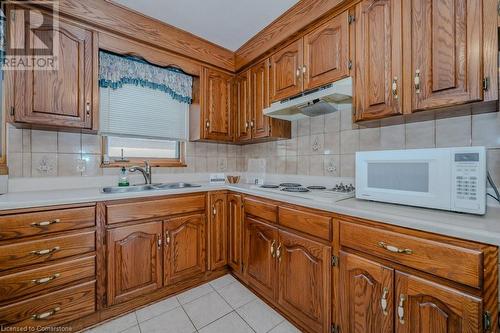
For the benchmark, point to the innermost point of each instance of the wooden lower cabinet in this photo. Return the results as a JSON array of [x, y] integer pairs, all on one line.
[[218, 230], [366, 295], [134, 261], [426, 306], [304, 280], [261, 241], [184, 249], [235, 232]]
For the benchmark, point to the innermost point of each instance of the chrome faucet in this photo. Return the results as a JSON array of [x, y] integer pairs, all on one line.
[[146, 172]]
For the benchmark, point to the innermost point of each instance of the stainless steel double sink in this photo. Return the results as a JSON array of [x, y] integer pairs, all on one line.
[[148, 187]]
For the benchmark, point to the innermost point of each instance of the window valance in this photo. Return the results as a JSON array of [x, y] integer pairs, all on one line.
[[116, 70]]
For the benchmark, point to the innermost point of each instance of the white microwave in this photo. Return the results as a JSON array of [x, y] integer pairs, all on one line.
[[443, 178]]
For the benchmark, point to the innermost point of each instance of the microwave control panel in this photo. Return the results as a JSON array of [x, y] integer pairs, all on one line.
[[468, 182]]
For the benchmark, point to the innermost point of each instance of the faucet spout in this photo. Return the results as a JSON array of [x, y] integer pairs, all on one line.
[[146, 172]]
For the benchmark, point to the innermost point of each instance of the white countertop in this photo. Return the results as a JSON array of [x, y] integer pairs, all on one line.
[[484, 229]]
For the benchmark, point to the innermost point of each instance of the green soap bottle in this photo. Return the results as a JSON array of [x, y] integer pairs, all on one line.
[[123, 180]]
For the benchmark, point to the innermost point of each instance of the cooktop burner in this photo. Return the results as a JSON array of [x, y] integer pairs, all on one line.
[[290, 185], [315, 187], [269, 186], [295, 189]]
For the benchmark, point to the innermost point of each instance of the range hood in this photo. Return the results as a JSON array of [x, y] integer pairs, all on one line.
[[313, 103]]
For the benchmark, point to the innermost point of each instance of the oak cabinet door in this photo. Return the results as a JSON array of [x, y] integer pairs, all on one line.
[[425, 306], [216, 105], [260, 271], [378, 59], [366, 295], [184, 253], [259, 95], [134, 261], [304, 280], [243, 112], [61, 97], [446, 52], [218, 230], [235, 224], [286, 71], [326, 52]]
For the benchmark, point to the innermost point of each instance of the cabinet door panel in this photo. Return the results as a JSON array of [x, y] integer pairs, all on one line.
[[134, 261], [218, 230], [217, 105], [446, 48], [235, 224], [362, 286], [61, 97], [242, 104], [260, 263], [326, 52], [259, 95], [378, 59], [432, 308], [184, 247], [304, 280], [286, 71]]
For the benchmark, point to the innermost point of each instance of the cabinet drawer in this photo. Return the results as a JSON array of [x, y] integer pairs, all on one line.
[[38, 251], [309, 223], [131, 211], [51, 309], [262, 209], [39, 223], [43, 278], [452, 262]]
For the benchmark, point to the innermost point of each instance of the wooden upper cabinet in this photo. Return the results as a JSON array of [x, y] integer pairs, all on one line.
[[425, 306], [218, 230], [184, 253], [216, 105], [304, 280], [259, 95], [446, 52], [286, 71], [242, 105], [261, 242], [378, 89], [235, 231], [134, 261], [326, 52], [61, 97], [366, 295]]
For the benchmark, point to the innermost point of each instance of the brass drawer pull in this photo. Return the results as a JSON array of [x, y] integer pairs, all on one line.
[[167, 238], [46, 279], [416, 81], [401, 309], [273, 254], [278, 252], [45, 251], [394, 249], [45, 223], [41, 316], [395, 87]]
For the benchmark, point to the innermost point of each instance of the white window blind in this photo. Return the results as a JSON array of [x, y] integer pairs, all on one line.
[[136, 111]]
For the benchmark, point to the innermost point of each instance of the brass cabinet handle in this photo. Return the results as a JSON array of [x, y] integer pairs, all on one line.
[[298, 72], [46, 279], [45, 251], [159, 241], [395, 87], [383, 300], [401, 309], [417, 81], [43, 315], [207, 124], [167, 238], [394, 249], [214, 210], [304, 69], [273, 254], [87, 108], [246, 124], [45, 223], [251, 124], [278, 252]]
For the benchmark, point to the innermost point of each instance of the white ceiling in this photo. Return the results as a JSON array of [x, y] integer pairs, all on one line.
[[228, 23]]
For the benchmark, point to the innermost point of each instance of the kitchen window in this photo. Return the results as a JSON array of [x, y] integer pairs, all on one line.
[[143, 112]]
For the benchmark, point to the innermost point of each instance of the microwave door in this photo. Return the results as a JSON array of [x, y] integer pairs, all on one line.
[[411, 181]]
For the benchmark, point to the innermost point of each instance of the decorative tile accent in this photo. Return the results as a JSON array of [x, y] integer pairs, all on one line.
[[44, 164], [331, 164]]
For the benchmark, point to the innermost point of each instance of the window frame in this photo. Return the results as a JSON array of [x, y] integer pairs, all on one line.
[[154, 162]]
